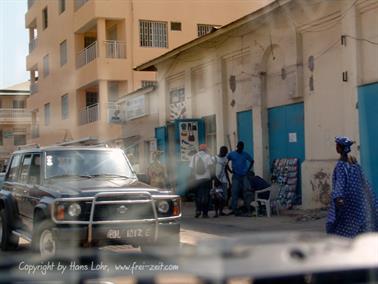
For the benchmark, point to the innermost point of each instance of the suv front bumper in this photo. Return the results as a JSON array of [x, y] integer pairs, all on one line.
[[140, 231]]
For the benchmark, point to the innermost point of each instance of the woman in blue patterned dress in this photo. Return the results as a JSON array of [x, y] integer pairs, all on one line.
[[354, 206]]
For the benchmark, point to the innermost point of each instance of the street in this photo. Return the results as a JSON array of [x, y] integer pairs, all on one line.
[[195, 230]]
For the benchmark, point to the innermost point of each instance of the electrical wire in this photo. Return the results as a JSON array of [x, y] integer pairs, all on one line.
[[362, 39]]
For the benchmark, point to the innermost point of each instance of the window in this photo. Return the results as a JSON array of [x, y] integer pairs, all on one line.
[[19, 139], [62, 6], [25, 168], [63, 53], [47, 114], [153, 34], [175, 26], [1, 137], [45, 20], [91, 98], [18, 104], [46, 70], [35, 170], [64, 104], [13, 169], [203, 29], [146, 83]]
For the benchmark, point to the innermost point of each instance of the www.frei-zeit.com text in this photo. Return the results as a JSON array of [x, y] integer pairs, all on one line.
[[134, 267]]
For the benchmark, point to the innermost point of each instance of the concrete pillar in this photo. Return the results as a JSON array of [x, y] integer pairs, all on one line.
[[349, 26], [219, 95], [101, 37], [260, 127], [103, 100], [188, 92]]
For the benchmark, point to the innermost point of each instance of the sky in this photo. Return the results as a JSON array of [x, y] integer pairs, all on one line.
[[13, 42]]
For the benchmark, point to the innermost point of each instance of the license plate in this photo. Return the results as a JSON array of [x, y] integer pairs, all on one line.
[[114, 234]]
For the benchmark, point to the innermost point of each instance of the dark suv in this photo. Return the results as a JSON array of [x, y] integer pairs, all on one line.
[[82, 195]]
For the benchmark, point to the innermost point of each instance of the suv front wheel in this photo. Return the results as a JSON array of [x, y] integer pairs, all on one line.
[[8, 241], [43, 240]]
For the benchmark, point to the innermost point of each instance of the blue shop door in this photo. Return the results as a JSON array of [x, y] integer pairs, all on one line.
[[368, 116], [286, 135], [245, 130], [161, 136], [189, 134]]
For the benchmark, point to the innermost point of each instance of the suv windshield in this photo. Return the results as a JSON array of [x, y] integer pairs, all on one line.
[[89, 163]]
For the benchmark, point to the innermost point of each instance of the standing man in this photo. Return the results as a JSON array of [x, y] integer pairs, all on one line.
[[239, 172], [201, 165]]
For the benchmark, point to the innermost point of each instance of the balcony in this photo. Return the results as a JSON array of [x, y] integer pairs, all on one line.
[[87, 55], [115, 49], [89, 114], [33, 88], [32, 44], [79, 3], [14, 115], [35, 131]]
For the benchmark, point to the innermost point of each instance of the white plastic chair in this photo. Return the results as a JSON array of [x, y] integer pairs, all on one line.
[[272, 200]]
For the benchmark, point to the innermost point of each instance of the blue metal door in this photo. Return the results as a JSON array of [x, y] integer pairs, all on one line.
[[245, 130], [368, 116], [161, 136], [286, 132], [286, 135]]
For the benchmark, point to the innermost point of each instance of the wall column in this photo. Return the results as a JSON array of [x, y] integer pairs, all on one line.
[[101, 37]]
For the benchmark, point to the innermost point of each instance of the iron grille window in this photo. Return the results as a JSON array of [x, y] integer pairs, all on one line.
[[47, 114], [203, 29], [45, 20], [64, 105], [63, 53], [175, 26], [153, 34]]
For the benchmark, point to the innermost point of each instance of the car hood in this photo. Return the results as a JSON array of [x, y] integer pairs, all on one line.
[[90, 187]]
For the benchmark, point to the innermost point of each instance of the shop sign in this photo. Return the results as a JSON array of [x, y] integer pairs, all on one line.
[[136, 107]]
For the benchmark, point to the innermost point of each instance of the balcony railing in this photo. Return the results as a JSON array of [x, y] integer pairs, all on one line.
[[115, 49], [89, 114], [79, 3], [33, 88], [32, 44], [87, 55], [14, 115], [30, 3], [35, 131]]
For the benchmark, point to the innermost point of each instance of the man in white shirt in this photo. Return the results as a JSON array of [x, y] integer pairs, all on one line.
[[201, 165]]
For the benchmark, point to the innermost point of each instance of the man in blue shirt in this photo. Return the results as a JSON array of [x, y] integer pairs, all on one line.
[[239, 171]]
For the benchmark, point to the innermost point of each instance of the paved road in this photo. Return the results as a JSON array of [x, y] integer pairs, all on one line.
[[194, 230]]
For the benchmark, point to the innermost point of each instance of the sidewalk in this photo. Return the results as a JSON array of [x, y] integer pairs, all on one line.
[[194, 230]]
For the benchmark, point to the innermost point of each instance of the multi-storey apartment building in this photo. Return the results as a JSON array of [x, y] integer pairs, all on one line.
[[15, 119], [82, 54]]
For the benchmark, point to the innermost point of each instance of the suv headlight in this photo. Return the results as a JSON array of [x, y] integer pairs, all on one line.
[[163, 206], [74, 210]]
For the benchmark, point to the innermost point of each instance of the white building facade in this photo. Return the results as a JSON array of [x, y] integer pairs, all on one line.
[[286, 80]]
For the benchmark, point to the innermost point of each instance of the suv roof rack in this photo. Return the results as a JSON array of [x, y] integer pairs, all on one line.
[[28, 146]]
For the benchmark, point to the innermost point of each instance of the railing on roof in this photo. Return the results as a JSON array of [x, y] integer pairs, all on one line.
[[89, 114], [115, 49], [87, 55]]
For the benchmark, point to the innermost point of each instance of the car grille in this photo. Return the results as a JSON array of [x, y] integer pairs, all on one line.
[[108, 212]]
